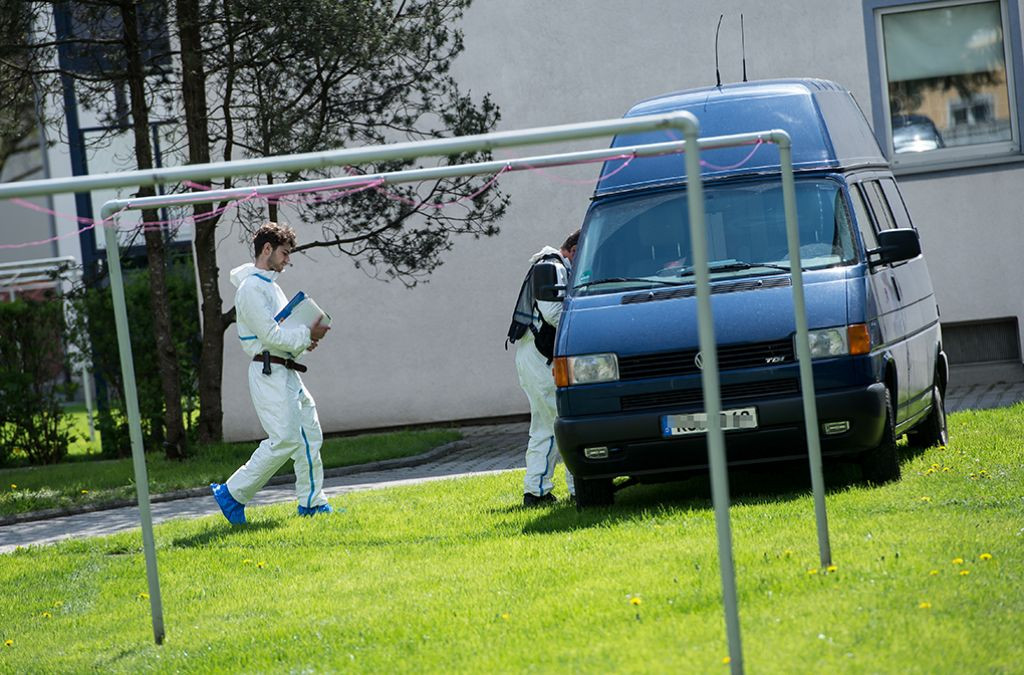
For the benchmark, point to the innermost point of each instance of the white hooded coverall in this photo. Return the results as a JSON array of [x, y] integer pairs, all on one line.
[[283, 404], [538, 382]]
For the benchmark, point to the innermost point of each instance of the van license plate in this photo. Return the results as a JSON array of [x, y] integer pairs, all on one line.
[[697, 423]]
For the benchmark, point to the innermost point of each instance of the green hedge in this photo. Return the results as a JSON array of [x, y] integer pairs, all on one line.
[[95, 318], [33, 386]]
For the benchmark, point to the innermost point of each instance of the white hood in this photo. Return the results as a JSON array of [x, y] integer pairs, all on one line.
[[243, 272], [547, 250]]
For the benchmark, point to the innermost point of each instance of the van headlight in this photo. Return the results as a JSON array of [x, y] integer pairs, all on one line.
[[586, 369], [839, 341], [828, 342]]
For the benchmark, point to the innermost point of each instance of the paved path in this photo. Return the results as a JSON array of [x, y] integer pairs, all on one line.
[[488, 449], [984, 396]]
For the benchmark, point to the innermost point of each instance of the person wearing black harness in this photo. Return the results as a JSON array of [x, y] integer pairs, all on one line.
[[533, 330], [283, 404]]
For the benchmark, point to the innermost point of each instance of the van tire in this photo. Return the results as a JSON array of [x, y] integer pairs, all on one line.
[[594, 492], [932, 430], [880, 464]]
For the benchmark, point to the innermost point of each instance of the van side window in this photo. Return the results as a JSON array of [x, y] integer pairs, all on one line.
[[876, 200], [896, 204], [864, 224]]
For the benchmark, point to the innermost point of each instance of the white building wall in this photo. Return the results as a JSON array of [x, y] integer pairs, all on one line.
[[436, 352]]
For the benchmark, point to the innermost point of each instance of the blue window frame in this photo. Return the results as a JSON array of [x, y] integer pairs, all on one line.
[[947, 81]]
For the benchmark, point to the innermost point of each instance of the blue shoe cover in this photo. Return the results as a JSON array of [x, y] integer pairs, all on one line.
[[232, 509], [307, 511]]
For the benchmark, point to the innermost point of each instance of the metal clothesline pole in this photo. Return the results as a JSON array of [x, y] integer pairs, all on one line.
[[677, 120], [309, 187], [439, 147], [683, 121]]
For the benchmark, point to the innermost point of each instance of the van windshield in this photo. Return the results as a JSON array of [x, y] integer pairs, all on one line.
[[644, 240]]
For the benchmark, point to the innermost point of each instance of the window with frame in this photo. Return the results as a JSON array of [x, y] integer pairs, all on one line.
[[946, 71]]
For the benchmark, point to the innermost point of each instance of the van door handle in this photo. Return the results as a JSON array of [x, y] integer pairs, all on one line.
[[896, 287]]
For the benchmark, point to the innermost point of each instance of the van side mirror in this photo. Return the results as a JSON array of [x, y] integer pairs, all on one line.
[[895, 246], [548, 284]]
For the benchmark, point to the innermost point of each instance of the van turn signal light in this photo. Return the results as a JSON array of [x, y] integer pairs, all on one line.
[[561, 371], [859, 339]]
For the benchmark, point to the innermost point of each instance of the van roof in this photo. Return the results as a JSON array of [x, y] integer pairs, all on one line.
[[827, 127]]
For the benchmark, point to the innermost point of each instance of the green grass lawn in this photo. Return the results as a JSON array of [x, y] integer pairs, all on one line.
[[96, 481], [82, 445], [455, 576]]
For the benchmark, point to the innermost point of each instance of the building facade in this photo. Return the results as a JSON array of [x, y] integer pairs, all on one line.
[[941, 82]]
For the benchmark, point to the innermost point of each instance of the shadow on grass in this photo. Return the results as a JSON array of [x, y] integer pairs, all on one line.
[[747, 485], [223, 532], [905, 451]]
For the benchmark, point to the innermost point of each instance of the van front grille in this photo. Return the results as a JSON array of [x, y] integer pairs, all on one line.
[[730, 392], [730, 357]]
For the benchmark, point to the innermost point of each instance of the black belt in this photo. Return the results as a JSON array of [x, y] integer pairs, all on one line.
[[267, 359]]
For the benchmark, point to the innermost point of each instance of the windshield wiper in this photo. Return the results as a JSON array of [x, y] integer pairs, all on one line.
[[613, 280], [735, 266]]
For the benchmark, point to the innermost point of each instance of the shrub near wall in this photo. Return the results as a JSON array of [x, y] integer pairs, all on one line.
[[94, 310], [32, 383]]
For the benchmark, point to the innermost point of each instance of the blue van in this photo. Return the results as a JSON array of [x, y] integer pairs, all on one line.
[[627, 364]]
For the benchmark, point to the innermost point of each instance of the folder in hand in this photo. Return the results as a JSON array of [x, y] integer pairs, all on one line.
[[302, 310]]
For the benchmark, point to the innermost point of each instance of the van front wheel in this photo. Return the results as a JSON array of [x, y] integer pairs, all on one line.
[[880, 464], [594, 492]]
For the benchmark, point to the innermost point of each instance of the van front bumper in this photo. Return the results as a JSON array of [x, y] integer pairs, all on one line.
[[636, 446]]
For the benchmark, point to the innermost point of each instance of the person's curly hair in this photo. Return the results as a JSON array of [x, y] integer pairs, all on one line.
[[273, 234]]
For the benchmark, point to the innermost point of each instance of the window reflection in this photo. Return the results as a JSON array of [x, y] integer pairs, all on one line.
[[946, 70]]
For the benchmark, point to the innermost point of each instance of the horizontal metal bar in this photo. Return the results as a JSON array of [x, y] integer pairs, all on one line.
[[39, 263], [413, 175], [352, 156], [28, 284]]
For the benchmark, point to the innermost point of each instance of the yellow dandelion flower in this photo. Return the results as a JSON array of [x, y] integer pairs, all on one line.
[[247, 561], [143, 596], [946, 469], [831, 568], [635, 600], [958, 561], [929, 471], [14, 486], [813, 570], [505, 616], [933, 573], [925, 605], [925, 498], [964, 573], [985, 556], [47, 615], [726, 660], [973, 475], [8, 643], [85, 492], [261, 564]]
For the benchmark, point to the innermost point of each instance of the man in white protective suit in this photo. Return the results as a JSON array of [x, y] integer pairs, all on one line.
[[538, 382], [283, 404]]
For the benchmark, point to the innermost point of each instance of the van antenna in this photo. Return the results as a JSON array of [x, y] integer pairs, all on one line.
[[743, 48], [718, 75]]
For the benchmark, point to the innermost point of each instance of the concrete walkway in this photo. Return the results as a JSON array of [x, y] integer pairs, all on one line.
[[486, 449], [984, 396]]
